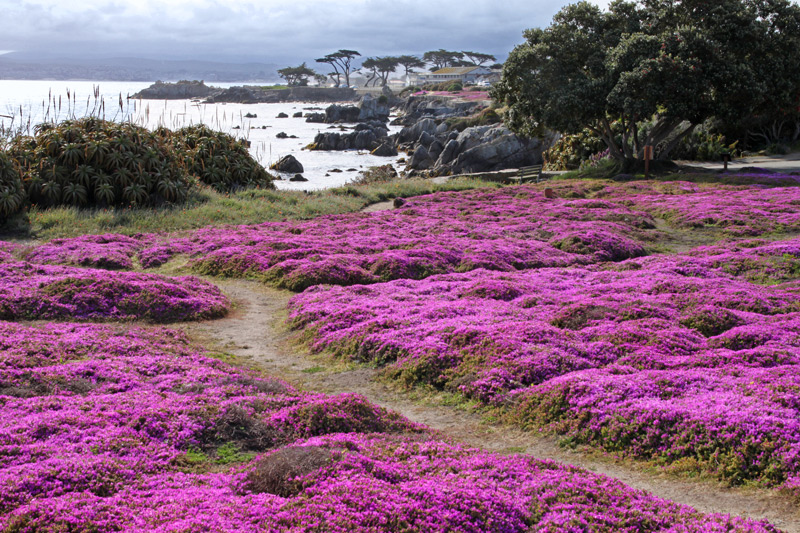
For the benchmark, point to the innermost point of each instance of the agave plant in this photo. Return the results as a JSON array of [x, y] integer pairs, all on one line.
[[85, 175], [75, 194], [104, 192], [114, 158], [90, 159], [135, 193], [51, 191], [11, 190], [71, 154], [96, 151], [218, 159]]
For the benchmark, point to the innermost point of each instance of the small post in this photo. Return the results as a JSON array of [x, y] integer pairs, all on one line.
[[648, 155], [726, 158]]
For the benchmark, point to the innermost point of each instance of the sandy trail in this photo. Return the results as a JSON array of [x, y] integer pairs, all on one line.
[[255, 333]]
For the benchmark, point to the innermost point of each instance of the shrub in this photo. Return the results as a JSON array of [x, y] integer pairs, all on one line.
[[277, 473], [378, 174], [12, 194], [570, 150], [217, 159], [483, 117], [90, 161]]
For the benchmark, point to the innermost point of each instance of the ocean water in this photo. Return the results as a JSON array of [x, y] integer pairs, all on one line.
[[27, 103]]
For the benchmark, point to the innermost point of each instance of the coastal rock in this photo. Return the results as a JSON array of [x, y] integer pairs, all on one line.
[[385, 150], [426, 106], [250, 115], [421, 160], [315, 117], [299, 114], [412, 133], [367, 136], [341, 113], [248, 95], [298, 177], [373, 108], [181, 90], [289, 164], [489, 148], [282, 115]]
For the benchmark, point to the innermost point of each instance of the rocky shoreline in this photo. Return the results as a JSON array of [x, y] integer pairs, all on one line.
[[244, 94], [441, 135]]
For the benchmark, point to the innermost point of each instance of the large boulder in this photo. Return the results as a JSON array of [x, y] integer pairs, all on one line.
[[370, 108], [412, 133], [385, 150], [421, 159], [477, 149], [318, 118], [426, 106], [288, 164], [341, 113], [491, 148], [366, 136]]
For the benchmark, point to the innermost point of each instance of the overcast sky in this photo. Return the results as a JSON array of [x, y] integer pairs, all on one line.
[[270, 31]]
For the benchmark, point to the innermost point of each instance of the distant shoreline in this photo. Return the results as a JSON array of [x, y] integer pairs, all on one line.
[[243, 94]]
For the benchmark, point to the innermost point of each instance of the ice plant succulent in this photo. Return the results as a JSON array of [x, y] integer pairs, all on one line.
[[119, 429]]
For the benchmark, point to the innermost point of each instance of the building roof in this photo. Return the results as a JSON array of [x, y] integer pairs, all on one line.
[[455, 70]]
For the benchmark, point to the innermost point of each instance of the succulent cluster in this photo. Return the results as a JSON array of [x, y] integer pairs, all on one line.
[[12, 194], [95, 162], [217, 159], [109, 429], [90, 161]]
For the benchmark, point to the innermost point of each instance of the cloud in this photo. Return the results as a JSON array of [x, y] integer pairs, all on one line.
[[269, 31]]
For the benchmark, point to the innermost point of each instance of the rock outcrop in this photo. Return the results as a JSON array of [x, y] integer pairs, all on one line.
[[366, 136], [476, 149], [416, 108], [288, 164], [181, 90]]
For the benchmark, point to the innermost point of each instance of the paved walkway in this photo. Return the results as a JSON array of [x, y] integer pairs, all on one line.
[[776, 163]]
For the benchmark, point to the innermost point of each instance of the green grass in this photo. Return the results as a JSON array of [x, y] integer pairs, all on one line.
[[209, 208]]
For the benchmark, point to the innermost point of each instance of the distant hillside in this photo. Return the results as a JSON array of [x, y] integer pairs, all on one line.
[[14, 66]]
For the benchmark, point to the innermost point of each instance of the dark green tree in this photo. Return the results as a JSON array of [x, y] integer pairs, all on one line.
[[477, 58], [341, 62], [409, 63], [652, 70], [296, 75], [442, 58]]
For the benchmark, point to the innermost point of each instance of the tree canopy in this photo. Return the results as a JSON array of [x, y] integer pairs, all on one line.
[[477, 58], [648, 72], [442, 58], [409, 63], [341, 61], [379, 69], [296, 75]]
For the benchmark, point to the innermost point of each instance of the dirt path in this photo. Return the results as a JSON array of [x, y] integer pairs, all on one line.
[[255, 333]]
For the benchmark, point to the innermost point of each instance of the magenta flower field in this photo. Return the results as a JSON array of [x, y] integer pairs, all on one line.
[[101, 427], [31, 291], [657, 321]]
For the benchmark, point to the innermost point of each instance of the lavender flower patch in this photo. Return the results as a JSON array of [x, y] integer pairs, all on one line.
[[508, 229], [91, 409], [98, 426], [110, 251], [29, 291], [642, 333], [739, 212], [7, 250]]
